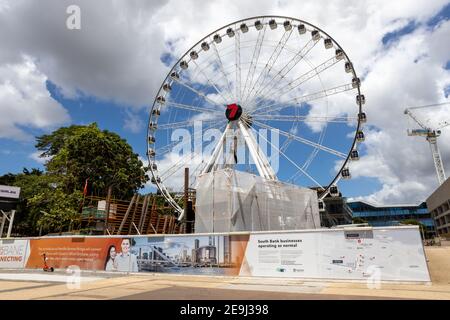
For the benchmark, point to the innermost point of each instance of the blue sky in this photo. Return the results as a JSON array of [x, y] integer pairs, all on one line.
[[128, 116]]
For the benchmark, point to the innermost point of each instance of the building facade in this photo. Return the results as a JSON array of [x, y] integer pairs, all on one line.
[[336, 212], [438, 204], [393, 215]]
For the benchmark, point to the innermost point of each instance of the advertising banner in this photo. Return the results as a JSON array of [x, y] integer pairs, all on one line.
[[187, 254], [13, 253], [190, 254], [85, 252], [392, 254]]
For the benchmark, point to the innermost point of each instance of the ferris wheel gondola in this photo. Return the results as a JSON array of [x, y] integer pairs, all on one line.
[[260, 73]]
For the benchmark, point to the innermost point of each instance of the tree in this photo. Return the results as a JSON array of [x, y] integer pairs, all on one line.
[[7, 179], [416, 223], [58, 211], [51, 144], [34, 184], [86, 152], [52, 200], [358, 220]]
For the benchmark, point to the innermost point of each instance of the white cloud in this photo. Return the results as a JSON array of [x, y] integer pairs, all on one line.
[[25, 101], [392, 76], [133, 122], [171, 169], [412, 192], [36, 156], [116, 56], [409, 73]]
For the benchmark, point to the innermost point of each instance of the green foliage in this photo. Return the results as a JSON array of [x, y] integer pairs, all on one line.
[[85, 152], [358, 220], [416, 223], [43, 193], [51, 144], [32, 183], [7, 179], [59, 211], [51, 201]]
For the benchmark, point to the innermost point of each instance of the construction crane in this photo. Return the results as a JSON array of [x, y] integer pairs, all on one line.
[[431, 136]]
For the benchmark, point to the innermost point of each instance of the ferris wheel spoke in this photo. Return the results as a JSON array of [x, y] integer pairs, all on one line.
[[289, 159], [191, 108], [254, 62], [262, 77], [182, 162], [310, 159], [275, 77], [289, 118], [264, 110], [168, 148], [201, 166], [316, 71], [193, 175], [295, 176], [211, 83], [164, 175], [237, 45], [181, 124], [201, 94], [286, 69], [222, 69], [303, 140], [305, 165], [286, 144]]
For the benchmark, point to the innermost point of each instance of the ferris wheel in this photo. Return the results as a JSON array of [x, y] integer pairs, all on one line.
[[266, 83]]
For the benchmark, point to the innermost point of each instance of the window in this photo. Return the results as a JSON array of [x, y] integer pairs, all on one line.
[[445, 206]]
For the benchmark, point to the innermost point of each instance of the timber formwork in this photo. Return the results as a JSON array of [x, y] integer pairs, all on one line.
[[141, 215]]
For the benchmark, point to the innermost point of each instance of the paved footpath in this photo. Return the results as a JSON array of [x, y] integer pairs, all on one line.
[[172, 287], [27, 284]]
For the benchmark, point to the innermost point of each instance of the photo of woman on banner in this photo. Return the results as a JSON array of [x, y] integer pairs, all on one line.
[[126, 261], [111, 261]]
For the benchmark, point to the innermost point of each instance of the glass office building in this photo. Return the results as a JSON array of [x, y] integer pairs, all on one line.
[[393, 215]]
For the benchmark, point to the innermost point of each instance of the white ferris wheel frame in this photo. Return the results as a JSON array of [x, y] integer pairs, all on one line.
[[262, 164]]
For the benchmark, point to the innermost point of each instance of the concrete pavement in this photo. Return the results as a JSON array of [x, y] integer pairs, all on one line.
[[161, 286], [36, 284]]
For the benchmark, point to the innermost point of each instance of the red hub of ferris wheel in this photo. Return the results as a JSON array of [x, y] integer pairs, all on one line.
[[233, 112]]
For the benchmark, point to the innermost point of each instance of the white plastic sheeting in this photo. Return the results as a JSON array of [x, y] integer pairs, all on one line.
[[229, 200]]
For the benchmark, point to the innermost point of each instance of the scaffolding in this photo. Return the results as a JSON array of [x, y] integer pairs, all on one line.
[[228, 200], [147, 214]]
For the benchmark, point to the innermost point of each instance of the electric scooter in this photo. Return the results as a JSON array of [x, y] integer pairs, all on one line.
[[46, 267]]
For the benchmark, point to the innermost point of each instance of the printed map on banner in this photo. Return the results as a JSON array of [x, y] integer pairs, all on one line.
[[388, 254]]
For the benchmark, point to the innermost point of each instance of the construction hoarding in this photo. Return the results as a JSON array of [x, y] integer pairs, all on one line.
[[13, 253], [392, 254]]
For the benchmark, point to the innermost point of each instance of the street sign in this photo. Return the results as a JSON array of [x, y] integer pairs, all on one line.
[[9, 192]]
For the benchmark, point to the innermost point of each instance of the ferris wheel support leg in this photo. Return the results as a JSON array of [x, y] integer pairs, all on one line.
[[216, 152], [261, 162]]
